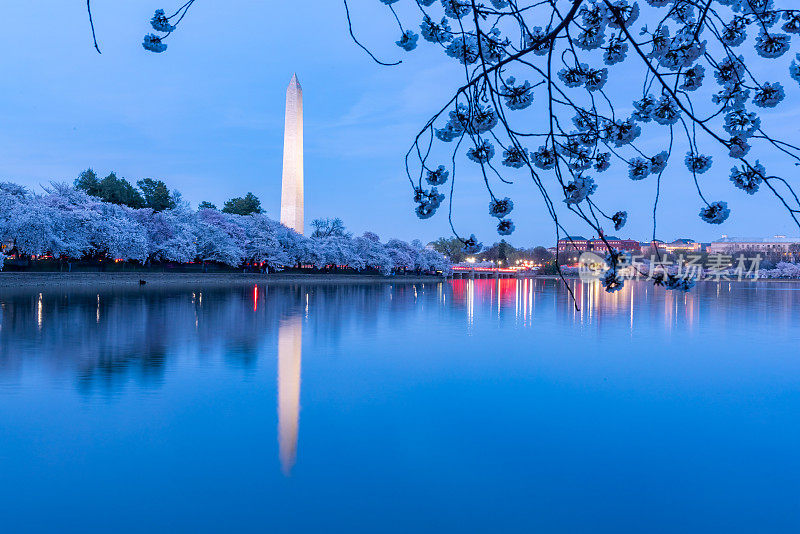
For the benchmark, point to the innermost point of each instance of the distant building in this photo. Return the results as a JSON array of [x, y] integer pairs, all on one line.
[[573, 243], [681, 245], [629, 245], [581, 244], [655, 243], [778, 244]]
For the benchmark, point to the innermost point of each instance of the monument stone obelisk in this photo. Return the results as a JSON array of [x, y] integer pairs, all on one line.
[[292, 184]]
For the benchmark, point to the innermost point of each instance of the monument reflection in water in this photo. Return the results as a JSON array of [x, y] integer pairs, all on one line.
[[290, 353], [470, 406]]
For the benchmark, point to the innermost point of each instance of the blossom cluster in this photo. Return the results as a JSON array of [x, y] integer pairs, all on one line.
[[154, 42]]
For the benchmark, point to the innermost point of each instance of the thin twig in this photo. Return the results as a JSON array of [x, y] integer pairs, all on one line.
[[91, 23], [350, 27]]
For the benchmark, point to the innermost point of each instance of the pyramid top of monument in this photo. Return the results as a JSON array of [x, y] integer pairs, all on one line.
[[294, 80]]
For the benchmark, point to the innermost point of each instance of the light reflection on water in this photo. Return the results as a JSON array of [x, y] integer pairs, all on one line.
[[487, 405]]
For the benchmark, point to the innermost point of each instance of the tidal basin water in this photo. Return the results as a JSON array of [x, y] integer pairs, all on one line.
[[485, 406]]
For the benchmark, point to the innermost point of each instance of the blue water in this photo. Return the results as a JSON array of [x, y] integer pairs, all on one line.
[[456, 407]]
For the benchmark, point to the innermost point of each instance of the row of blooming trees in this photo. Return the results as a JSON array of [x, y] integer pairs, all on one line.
[[69, 224], [783, 269]]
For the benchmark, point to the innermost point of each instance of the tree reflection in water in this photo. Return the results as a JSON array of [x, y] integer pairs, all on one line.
[[110, 337], [113, 336]]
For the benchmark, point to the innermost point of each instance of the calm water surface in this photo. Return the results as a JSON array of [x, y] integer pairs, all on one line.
[[486, 406]]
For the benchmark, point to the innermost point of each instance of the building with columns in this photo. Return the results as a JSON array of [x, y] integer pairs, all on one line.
[[581, 244], [779, 244]]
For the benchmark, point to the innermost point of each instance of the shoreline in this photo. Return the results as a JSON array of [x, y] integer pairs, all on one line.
[[83, 280], [573, 277], [48, 281]]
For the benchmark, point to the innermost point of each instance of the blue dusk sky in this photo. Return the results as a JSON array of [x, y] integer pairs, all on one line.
[[207, 118]]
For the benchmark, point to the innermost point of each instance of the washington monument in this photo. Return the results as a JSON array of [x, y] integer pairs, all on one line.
[[292, 185]]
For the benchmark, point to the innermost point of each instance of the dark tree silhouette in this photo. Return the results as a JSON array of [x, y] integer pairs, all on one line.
[[89, 182], [243, 205], [156, 194], [110, 189], [452, 247]]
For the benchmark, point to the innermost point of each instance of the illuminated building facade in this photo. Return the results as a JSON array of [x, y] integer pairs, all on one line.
[[581, 244], [778, 244]]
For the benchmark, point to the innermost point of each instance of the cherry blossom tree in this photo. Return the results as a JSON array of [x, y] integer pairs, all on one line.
[[432, 261], [76, 215], [37, 229], [783, 269], [262, 245], [403, 255], [373, 252], [338, 251], [293, 244], [119, 235], [218, 238], [170, 234]]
